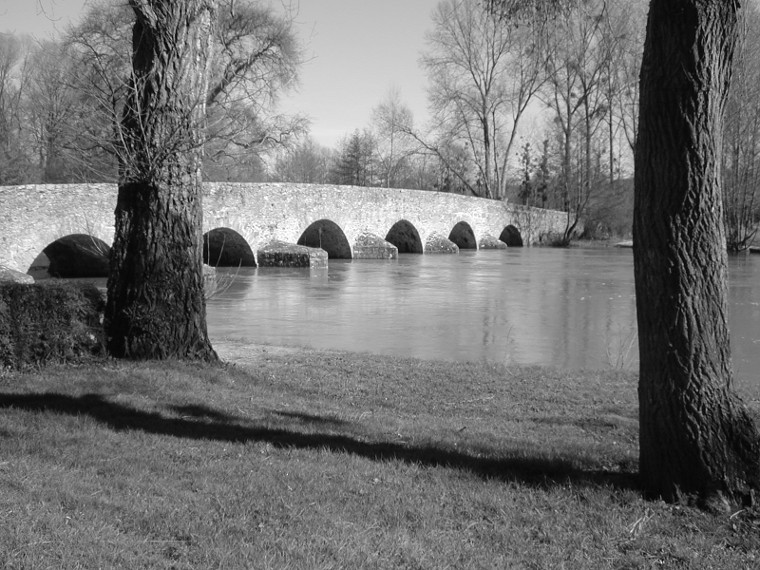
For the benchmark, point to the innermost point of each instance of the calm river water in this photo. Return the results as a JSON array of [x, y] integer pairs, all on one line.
[[566, 308]]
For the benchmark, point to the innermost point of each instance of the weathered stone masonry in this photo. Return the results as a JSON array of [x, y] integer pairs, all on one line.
[[34, 216]]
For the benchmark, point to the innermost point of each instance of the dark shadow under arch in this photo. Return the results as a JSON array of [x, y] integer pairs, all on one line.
[[462, 235], [405, 237], [327, 235], [223, 247], [72, 256], [511, 236]]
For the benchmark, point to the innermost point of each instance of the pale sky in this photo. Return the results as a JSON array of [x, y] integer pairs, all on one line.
[[38, 17], [355, 51]]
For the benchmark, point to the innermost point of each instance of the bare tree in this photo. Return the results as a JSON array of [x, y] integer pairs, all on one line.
[[697, 438], [741, 147], [100, 46], [53, 112], [306, 162], [575, 66], [622, 38], [256, 57], [156, 306], [484, 73], [392, 121], [13, 83]]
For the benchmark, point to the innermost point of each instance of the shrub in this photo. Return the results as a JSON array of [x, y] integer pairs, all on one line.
[[553, 239], [49, 322]]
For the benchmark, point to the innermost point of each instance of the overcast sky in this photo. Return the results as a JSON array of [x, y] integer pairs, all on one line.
[[356, 51]]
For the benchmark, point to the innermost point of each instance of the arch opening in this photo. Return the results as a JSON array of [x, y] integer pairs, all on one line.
[[327, 235], [72, 256], [462, 235], [511, 236], [223, 247], [405, 237]]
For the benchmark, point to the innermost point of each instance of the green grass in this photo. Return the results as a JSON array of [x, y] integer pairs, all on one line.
[[303, 459]]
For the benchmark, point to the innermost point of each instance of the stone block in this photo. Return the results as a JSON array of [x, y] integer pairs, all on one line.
[[436, 243], [283, 254], [370, 246], [8, 274], [490, 242]]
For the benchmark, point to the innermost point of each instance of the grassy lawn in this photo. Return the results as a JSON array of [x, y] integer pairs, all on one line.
[[304, 459]]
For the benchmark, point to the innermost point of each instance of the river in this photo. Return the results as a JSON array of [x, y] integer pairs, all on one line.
[[568, 308]]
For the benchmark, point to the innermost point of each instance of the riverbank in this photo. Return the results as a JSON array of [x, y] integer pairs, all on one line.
[[293, 458], [619, 242]]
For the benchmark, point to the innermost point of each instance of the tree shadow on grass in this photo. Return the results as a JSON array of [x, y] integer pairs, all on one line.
[[202, 423], [306, 419]]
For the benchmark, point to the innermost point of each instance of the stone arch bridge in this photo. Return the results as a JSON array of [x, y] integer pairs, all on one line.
[[345, 221]]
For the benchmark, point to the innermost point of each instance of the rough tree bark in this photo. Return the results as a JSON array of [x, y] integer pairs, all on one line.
[[697, 440], [156, 306]]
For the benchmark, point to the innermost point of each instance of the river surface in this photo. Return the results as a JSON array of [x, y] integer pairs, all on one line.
[[568, 308]]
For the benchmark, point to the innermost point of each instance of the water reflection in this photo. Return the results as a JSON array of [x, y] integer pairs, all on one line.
[[744, 310], [567, 308]]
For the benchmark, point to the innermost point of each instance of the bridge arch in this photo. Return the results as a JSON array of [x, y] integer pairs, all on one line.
[[511, 236], [327, 235], [462, 235], [73, 255], [405, 237], [224, 247]]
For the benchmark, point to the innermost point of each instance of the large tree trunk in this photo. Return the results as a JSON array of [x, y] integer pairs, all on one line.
[[156, 306], [697, 439]]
